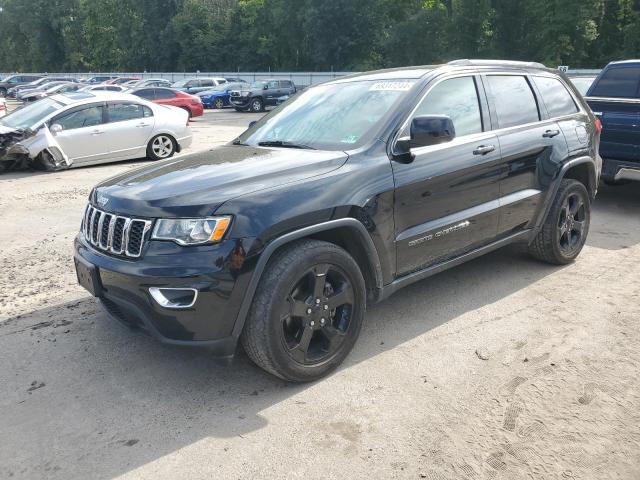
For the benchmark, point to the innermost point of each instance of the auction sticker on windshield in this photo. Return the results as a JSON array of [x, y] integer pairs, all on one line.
[[391, 86]]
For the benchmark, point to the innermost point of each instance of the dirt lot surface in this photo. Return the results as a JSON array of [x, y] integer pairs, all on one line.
[[503, 368]]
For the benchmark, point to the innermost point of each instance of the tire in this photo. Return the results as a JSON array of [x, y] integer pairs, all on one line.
[[219, 104], [45, 161], [279, 321], [256, 105], [566, 227], [160, 147]]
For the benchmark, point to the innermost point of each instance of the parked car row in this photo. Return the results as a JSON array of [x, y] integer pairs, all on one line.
[[215, 92]]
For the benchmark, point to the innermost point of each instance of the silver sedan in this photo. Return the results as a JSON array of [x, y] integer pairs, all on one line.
[[86, 128]]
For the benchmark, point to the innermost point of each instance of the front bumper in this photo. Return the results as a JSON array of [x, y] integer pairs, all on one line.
[[217, 272], [616, 170], [240, 102]]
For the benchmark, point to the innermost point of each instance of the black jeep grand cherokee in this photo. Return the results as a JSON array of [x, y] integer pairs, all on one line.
[[338, 198]]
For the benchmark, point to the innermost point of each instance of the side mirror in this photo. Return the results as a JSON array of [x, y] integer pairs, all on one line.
[[429, 130], [55, 128], [265, 87], [251, 124]]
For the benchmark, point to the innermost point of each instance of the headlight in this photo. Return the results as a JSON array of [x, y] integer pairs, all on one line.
[[191, 231]]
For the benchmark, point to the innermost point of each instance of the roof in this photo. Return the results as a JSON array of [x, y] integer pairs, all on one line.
[[421, 70], [623, 62], [93, 95]]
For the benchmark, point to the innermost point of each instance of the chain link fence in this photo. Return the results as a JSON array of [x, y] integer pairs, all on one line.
[[298, 78], [301, 79]]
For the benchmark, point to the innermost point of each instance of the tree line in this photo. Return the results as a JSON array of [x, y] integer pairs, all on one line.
[[309, 35]]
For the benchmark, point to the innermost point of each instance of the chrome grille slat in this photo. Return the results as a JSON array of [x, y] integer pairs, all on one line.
[[112, 226], [98, 224], [99, 232]]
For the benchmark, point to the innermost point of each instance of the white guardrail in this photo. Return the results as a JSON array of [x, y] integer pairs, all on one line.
[[298, 78]]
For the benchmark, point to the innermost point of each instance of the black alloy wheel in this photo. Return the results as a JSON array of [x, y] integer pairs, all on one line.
[[564, 231], [307, 312], [317, 315], [572, 224]]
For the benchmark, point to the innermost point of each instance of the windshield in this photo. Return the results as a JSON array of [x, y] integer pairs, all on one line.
[[258, 84], [30, 115], [181, 83], [330, 117]]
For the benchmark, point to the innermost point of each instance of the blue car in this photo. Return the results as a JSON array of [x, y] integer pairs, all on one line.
[[218, 97]]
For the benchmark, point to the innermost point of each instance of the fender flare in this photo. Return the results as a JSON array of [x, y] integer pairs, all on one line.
[[352, 223], [555, 186]]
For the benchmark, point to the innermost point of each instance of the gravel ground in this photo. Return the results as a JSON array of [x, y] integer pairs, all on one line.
[[503, 368]]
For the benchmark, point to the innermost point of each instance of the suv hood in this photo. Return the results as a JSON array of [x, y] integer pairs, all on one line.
[[196, 185]]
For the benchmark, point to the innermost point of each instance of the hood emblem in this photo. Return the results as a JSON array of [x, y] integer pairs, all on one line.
[[102, 200]]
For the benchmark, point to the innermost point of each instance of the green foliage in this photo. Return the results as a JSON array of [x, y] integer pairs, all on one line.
[[230, 35]]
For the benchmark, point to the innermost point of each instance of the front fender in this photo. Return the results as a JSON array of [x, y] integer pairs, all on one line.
[[44, 140], [269, 250]]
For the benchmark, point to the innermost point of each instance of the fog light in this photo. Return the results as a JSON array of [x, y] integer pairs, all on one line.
[[174, 297]]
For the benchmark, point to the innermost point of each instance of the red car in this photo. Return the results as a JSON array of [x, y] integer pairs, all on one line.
[[169, 96]]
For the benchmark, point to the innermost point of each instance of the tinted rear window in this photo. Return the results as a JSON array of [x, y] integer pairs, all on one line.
[[514, 100], [556, 97], [617, 82]]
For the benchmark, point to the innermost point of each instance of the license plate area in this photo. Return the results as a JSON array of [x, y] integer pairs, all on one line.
[[88, 277]]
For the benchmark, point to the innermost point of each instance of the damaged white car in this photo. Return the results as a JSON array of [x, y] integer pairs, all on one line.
[[86, 128]]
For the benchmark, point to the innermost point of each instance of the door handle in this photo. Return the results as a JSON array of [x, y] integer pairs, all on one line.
[[140, 125], [97, 132], [484, 149], [551, 133]]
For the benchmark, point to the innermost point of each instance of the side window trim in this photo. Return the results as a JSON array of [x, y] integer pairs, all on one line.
[[569, 90], [78, 109], [116, 102], [431, 85], [494, 115]]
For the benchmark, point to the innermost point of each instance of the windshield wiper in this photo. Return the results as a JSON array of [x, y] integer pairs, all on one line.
[[284, 144]]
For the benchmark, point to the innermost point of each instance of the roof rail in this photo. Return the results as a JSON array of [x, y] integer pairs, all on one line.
[[505, 63]]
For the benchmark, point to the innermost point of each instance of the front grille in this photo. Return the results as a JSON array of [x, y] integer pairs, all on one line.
[[114, 234]]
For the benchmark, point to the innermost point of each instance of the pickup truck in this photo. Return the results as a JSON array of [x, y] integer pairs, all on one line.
[[615, 98]]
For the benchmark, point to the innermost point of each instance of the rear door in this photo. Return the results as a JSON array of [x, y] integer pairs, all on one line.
[[615, 98], [531, 145], [559, 104], [128, 129], [446, 200]]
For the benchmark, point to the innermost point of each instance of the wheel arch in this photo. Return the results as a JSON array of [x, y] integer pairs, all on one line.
[[581, 169], [348, 233]]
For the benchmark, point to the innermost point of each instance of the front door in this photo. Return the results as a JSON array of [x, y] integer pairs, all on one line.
[[82, 138], [446, 200], [272, 92]]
